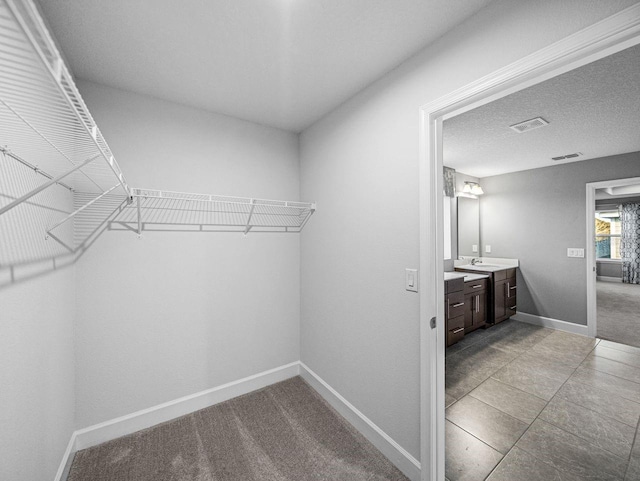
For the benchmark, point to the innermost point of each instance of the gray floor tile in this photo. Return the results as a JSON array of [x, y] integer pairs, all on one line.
[[481, 360], [467, 458], [573, 342], [517, 403], [448, 400], [604, 432], [553, 368], [602, 401], [569, 453], [558, 355], [495, 428], [619, 347], [520, 339], [617, 355], [459, 385], [543, 383], [633, 471], [612, 384], [519, 465], [624, 371]]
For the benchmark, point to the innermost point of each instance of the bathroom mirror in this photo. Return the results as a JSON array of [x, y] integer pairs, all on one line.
[[468, 227]]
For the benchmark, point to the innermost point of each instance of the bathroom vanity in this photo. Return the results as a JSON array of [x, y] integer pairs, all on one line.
[[501, 289], [465, 303]]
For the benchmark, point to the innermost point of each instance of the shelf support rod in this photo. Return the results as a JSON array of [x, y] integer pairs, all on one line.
[[7, 153], [46, 185], [73, 214], [248, 227], [139, 217]]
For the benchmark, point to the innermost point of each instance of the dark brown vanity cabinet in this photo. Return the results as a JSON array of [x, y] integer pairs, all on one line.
[[501, 294], [475, 304], [505, 294], [454, 309]]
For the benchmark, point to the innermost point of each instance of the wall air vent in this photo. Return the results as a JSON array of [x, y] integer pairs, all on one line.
[[568, 156], [528, 125]]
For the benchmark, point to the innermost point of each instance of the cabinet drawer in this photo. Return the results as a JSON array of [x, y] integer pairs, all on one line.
[[454, 285], [455, 305], [475, 286], [454, 335], [455, 323]]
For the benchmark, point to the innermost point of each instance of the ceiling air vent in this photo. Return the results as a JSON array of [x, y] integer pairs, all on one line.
[[568, 156], [528, 125]]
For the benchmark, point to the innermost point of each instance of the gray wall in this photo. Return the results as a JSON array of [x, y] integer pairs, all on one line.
[[609, 269], [360, 328], [535, 215], [174, 313], [37, 400]]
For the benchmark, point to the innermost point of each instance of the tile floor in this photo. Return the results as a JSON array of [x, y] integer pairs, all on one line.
[[529, 403]]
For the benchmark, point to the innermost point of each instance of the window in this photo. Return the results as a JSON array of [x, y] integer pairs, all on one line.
[[608, 230]]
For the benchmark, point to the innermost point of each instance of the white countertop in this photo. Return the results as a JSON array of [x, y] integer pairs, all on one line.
[[467, 276], [484, 268]]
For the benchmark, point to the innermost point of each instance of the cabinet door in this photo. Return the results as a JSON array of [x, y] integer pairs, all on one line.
[[469, 309], [480, 309], [500, 300]]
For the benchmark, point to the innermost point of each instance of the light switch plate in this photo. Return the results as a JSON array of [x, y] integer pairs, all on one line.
[[411, 280], [474, 248], [487, 249], [575, 252]]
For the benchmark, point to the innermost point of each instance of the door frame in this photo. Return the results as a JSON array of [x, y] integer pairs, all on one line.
[[606, 37], [592, 305]]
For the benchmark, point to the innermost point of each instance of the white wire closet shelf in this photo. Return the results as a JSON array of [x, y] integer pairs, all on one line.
[[60, 185], [165, 210]]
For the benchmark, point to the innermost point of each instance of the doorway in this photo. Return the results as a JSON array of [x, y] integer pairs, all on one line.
[[612, 304], [609, 36]]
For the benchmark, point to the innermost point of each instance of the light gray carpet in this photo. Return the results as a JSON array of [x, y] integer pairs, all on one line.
[[619, 312], [285, 432]]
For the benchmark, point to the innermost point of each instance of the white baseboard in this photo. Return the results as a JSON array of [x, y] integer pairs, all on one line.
[[608, 279], [404, 461], [149, 417], [146, 418], [552, 323], [67, 459]]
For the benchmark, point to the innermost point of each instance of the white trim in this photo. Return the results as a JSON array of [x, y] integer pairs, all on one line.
[[67, 459], [608, 279], [146, 418], [404, 461], [604, 38], [556, 324], [592, 306]]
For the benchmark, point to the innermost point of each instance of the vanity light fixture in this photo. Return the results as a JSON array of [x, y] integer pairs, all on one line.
[[472, 188]]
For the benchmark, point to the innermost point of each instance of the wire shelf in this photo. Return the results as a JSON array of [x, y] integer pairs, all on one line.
[[60, 185], [166, 210], [42, 116]]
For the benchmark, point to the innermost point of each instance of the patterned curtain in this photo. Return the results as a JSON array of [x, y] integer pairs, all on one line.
[[630, 242], [449, 182]]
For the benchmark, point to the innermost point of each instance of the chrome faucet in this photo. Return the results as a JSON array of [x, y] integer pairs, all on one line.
[[475, 260]]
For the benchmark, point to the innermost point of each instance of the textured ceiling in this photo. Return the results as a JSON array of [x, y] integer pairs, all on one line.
[[594, 110], [283, 63]]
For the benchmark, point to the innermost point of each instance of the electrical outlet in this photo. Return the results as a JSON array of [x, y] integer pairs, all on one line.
[[474, 248], [487, 249]]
